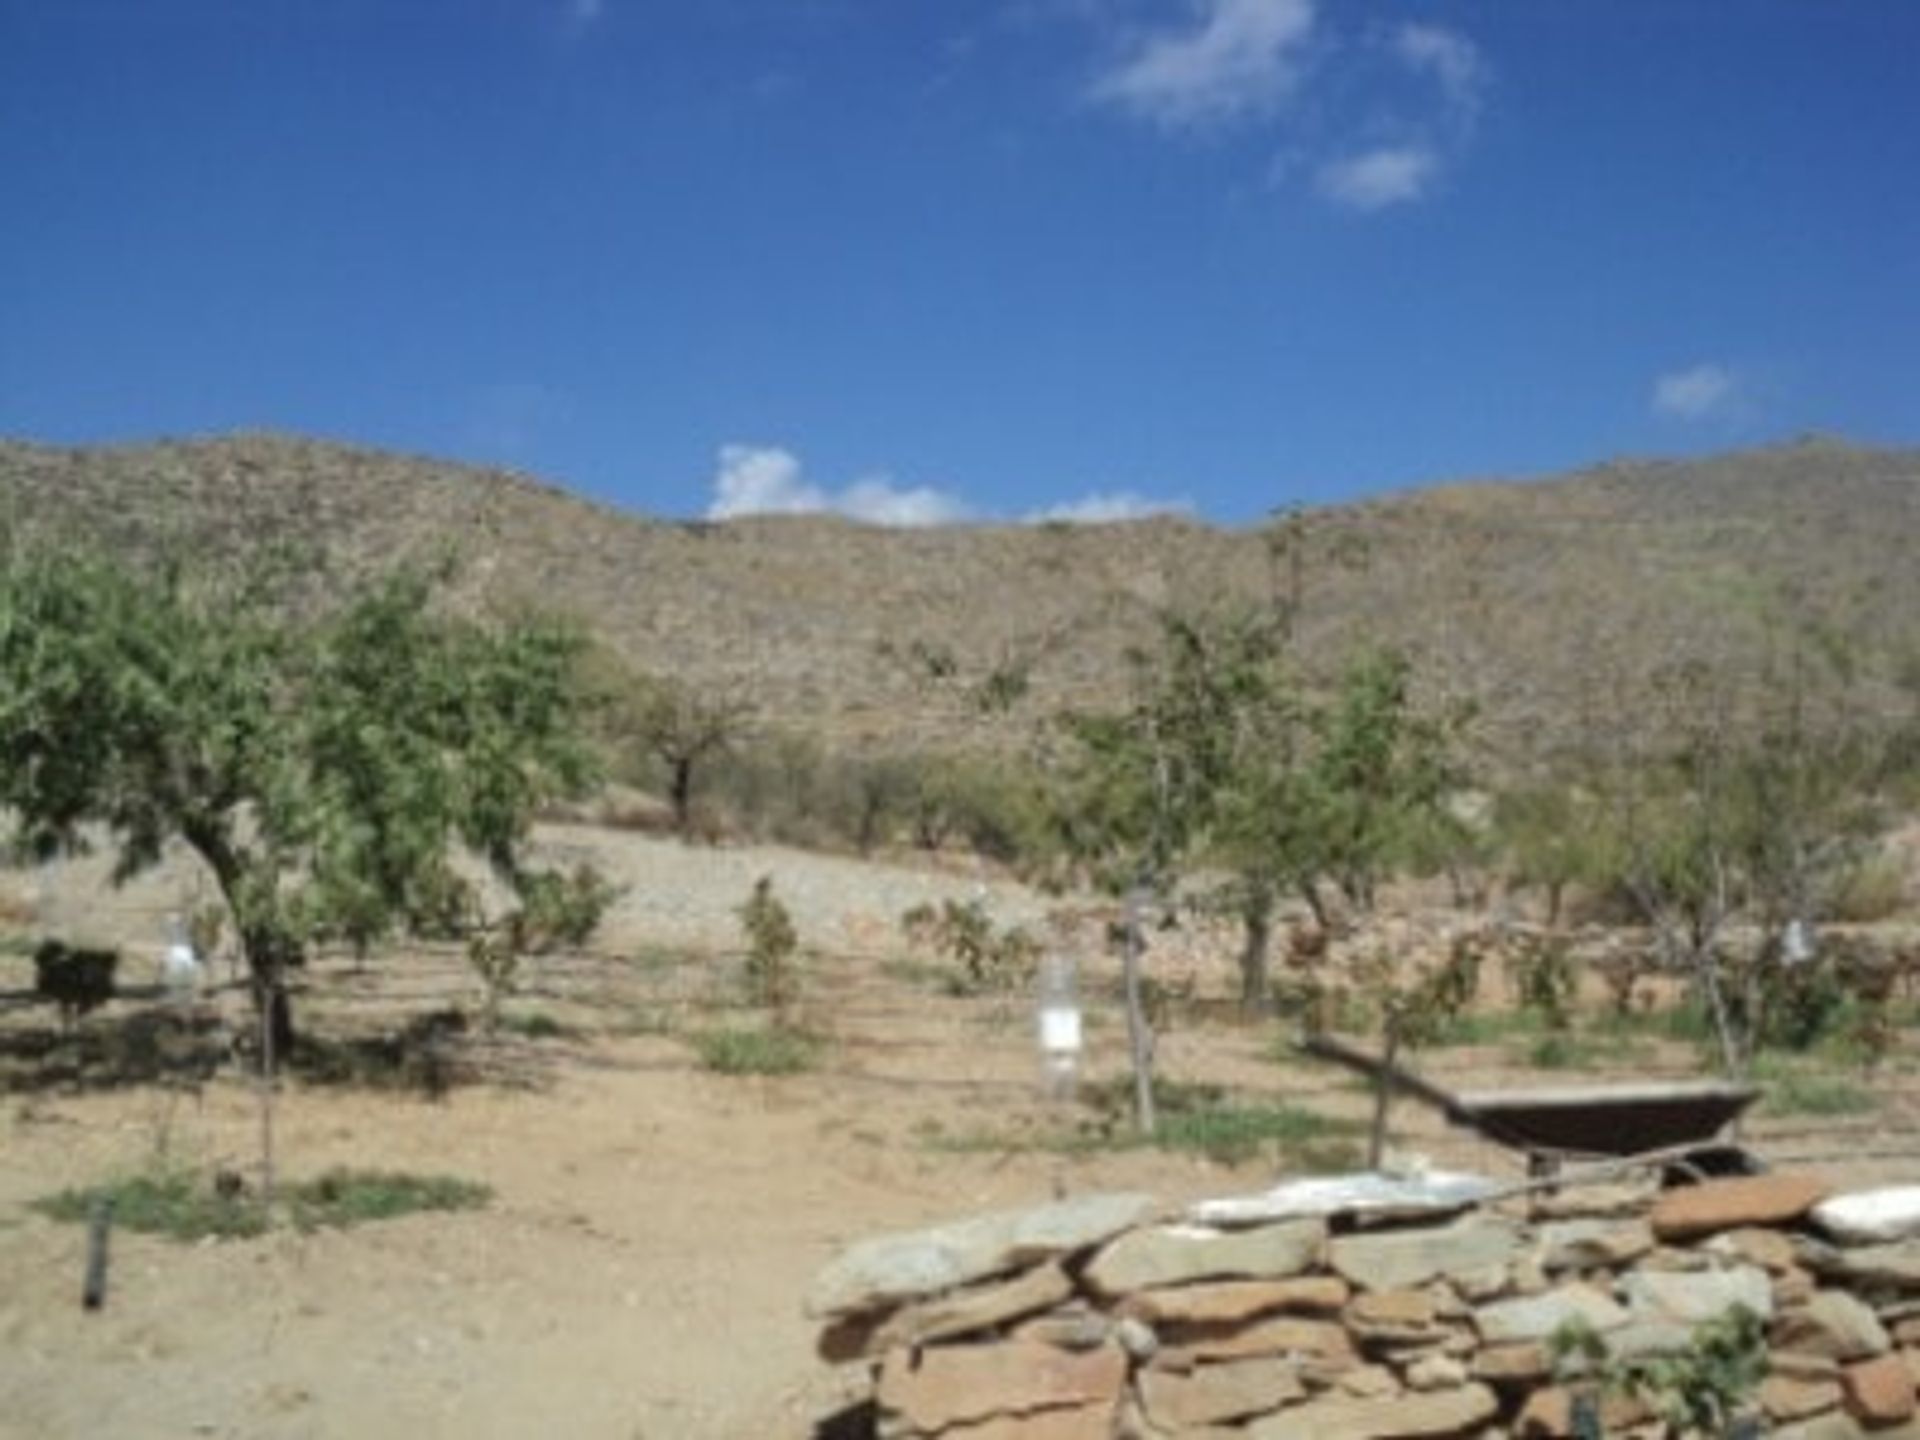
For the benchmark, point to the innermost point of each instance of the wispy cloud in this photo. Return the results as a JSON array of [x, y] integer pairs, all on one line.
[[1369, 118], [770, 480], [1449, 57], [1375, 179], [1238, 58], [585, 12], [1701, 392], [1106, 508], [767, 480]]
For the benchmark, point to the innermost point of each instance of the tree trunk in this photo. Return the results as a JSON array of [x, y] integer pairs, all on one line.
[[1256, 918], [1139, 1032], [1317, 904], [680, 793]]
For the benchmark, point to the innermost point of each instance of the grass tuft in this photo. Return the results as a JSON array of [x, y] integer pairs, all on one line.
[[756, 1052], [185, 1207], [171, 1203], [340, 1199]]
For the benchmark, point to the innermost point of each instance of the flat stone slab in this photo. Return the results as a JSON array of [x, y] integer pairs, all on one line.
[[1896, 1265], [1400, 1259], [890, 1269], [1695, 1210], [946, 1385], [1871, 1217], [1324, 1343], [1176, 1254], [1229, 1302], [1215, 1394], [1834, 1325], [1398, 1417], [1592, 1243], [1691, 1297], [1537, 1317], [1371, 1193]]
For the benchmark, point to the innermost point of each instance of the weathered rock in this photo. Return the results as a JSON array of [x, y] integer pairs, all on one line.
[[1069, 1328], [1377, 1196], [1173, 1254], [1769, 1249], [1907, 1331], [1320, 1341], [945, 1385], [1437, 1372], [1549, 1412], [963, 1312], [1398, 1259], [1536, 1317], [1399, 1417], [1600, 1200], [1799, 1365], [1214, 1394], [1838, 1425], [1231, 1301], [1787, 1397], [1368, 1381], [1080, 1422], [1871, 1217], [889, 1269], [1516, 1364], [1393, 1317], [1896, 1265], [1691, 1299], [1878, 1391], [1649, 1337], [1136, 1337], [1590, 1243], [1714, 1205], [1834, 1324], [1792, 1287]]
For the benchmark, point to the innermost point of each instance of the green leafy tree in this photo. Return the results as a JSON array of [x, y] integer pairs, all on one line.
[[323, 764]]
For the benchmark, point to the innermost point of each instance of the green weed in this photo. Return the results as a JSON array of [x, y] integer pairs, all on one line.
[[756, 1052]]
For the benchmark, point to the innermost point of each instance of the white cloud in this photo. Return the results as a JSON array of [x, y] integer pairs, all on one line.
[[767, 480], [1449, 57], [1391, 175], [1105, 508], [1701, 392], [1238, 59]]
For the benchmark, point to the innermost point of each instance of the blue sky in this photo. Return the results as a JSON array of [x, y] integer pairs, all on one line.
[[934, 259]]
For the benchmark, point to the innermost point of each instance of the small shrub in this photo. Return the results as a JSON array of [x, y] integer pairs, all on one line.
[[771, 942], [561, 911], [965, 934], [1701, 1390], [756, 1052], [1540, 973]]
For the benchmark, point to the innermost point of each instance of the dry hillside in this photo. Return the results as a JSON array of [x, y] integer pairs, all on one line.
[[1544, 600]]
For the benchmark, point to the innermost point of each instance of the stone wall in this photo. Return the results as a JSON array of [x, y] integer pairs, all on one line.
[[1099, 1317]]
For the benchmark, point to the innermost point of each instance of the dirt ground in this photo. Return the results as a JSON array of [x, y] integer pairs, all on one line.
[[654, 1226]]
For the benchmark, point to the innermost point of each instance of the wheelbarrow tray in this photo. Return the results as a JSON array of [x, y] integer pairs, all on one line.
[[1603, 1119]]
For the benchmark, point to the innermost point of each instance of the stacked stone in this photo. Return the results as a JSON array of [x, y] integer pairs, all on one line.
[[1094, 1318]]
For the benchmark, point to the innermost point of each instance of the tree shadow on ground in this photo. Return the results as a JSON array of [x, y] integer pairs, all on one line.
[[151, 1046], [429, 1056]]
